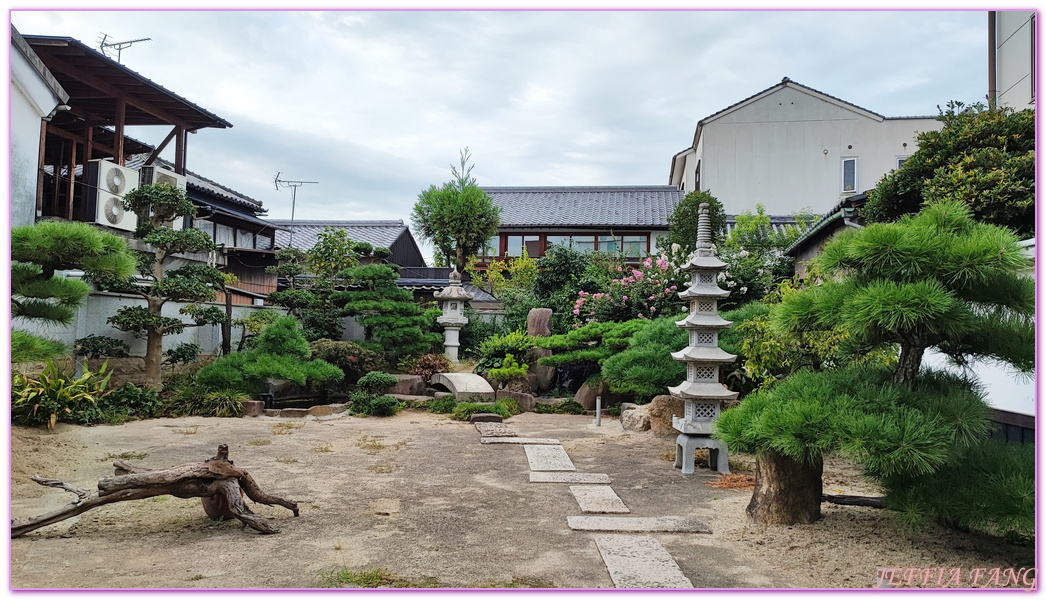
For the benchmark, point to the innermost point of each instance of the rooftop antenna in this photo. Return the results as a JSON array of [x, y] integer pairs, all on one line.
[[105, 46], [294, 185]]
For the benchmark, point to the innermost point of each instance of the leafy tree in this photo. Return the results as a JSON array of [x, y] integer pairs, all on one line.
[[936, 279], [683, 222], [39, 294], [983, 157], [457, 218], [194, 283], [388, 313]]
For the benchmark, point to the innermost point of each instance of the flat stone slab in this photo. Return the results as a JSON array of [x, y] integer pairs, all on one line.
[[466, 387], [548, 458], [494, 430], [598, 499], [564, 477], [485, 418], [294, 413], [639, 561], [638, 524], [519, 440]]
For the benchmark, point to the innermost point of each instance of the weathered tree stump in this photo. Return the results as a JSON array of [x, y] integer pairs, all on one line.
[[220, 485]]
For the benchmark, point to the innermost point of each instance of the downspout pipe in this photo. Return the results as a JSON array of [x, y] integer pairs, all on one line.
[[992, 59]]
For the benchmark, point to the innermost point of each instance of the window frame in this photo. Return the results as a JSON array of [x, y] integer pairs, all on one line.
[[843, 174]]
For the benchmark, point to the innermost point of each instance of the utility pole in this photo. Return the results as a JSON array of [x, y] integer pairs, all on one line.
[[294, 185]]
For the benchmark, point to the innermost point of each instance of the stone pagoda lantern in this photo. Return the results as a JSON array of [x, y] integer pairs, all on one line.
[[702, 392], [453, 299]]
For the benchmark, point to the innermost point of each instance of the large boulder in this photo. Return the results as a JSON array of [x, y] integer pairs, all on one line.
[[542, 376], [586, 396], [407, 385], [636, 419], [525, 402], [538, 322], [662, 410]]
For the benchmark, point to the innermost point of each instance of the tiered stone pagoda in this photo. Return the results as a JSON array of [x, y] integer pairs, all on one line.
[[702, 392], [453, 298]]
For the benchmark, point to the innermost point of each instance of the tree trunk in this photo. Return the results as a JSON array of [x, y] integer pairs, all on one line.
[[227, 325], [787, 492], [908, 364], [154, 346]]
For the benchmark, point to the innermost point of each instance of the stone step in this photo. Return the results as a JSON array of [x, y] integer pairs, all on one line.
[[493, 430], [639, 561], [638, 524], [598, 499], [519, 440], [568, 477], [548, 458], [485, 418]]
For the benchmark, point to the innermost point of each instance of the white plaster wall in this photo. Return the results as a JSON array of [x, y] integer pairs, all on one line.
[[1014, 62], [31, 100]]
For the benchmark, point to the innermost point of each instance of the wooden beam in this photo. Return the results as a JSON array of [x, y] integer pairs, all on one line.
[[180, 151], [121, 114], [57, 64], [89, 137], [156, 153], [88, 116], [72, 182], [40, 171], [66, 135]]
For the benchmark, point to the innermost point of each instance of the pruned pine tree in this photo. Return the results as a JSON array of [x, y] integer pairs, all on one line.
[[39, 294], [938, 279], [192, 284]]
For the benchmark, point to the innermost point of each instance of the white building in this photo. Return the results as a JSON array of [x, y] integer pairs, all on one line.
[[1012, 58], [35, 95], [791, 147]]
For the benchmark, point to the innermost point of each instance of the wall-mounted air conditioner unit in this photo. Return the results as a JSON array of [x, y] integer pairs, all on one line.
[[153, 174], [107, 183]]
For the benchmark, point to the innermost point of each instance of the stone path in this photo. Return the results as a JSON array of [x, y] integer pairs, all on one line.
[[633, 561]]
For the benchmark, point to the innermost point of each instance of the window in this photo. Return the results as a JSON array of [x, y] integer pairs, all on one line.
[[205, 226], [531, 244], [698, 176], [635, 245], [513, 245], [264, 242], [224, 234], [583, 243], [557, 240], [608, 243], [244, 239], [900, 161], [850, 175], [491, 247]]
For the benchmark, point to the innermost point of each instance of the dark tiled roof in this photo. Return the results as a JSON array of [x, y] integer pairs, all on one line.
[[621, 206], [377, 233], [203, 184]]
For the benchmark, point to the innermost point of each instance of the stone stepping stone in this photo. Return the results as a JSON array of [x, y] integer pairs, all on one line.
[[548, 458], [485, 418], [519, 440], [598, 499], [639, 561], [638, 524], [566, 477], [494, 430]]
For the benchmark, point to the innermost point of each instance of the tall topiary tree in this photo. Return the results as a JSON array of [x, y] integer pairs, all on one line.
[[39, 294], [155, 205], [983, 157], [938, 279], [457, 218], [683, 222], [388, 313]]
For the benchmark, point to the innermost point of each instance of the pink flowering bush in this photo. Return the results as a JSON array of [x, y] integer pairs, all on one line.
[[644, 291]]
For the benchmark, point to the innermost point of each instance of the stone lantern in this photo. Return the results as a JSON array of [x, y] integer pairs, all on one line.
[[702, 392], [453, 299]]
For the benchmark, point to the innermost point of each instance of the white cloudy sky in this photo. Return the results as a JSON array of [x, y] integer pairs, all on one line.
[[376, 105]]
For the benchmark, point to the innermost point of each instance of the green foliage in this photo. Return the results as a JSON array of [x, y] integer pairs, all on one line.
[[683, 222], [333, 252], [157, 204], [195, 401], [183, 354], [464, 410], [642, 291], [646, 367], [443, 405], [26, 347], [282, 337], [100, 346], [983, 158], [508, 371], [387, 313], [457, 218], [425, 366], [565, 407], [362, 248], [493, 350], [253, 324], [376, 382], [353, 359], [50, 396], [136, 401], [377, 406], [592, 343], [382, 252], [477, 330]]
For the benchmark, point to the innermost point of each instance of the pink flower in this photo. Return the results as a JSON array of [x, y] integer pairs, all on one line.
[[639, 316], [667, 290], [592, 312], [662, 264], [624, 298], [575, 311], [647, 262], [673, 288], [619, 269], [637, 274], [652, 297]]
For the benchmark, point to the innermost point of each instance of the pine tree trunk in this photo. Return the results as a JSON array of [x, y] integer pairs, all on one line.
[[787, 492], [227, 325], [908, 364], [154, 348]]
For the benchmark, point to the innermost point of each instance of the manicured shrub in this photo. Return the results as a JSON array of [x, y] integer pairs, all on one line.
[[353, 359], [426, 365], [443, 405], [493, 350], [508, 371], [129, 402], [376, 382], [195, 401], [100, 346], [378, 406], [567, 407], [464, 410]]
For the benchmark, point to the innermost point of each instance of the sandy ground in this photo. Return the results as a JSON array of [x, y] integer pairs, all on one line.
[[419, 496]]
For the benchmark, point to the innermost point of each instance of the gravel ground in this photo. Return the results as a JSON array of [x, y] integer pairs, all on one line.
[[418, 496]]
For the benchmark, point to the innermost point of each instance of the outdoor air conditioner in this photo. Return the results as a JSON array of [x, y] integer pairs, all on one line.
[[153, 174], [107, 183]]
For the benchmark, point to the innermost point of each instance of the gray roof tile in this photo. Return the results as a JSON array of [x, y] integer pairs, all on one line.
[[635, 206], [377, 233]]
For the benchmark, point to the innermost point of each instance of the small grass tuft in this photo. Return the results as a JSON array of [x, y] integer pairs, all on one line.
[[381, 469], [324, 448], [286, 427], [125, 456], [188, 430], [259, 442], [287, 461]]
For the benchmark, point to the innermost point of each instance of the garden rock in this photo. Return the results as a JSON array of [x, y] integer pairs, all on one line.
[[542, 376], [294, 413], [438, 395], [636, 420], [485, 418], [409, 385], [586, 396], [538, 322], [253, 408], [272, 412], [661, 411], [337, 408], [466, 387], [524, 401], [321, 410]]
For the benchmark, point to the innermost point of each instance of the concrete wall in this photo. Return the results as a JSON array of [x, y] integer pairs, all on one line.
[[785, 151], [1014, 59]]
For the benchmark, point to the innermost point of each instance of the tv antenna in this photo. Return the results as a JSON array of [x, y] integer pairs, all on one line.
[[106, 46], [294, 185]]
